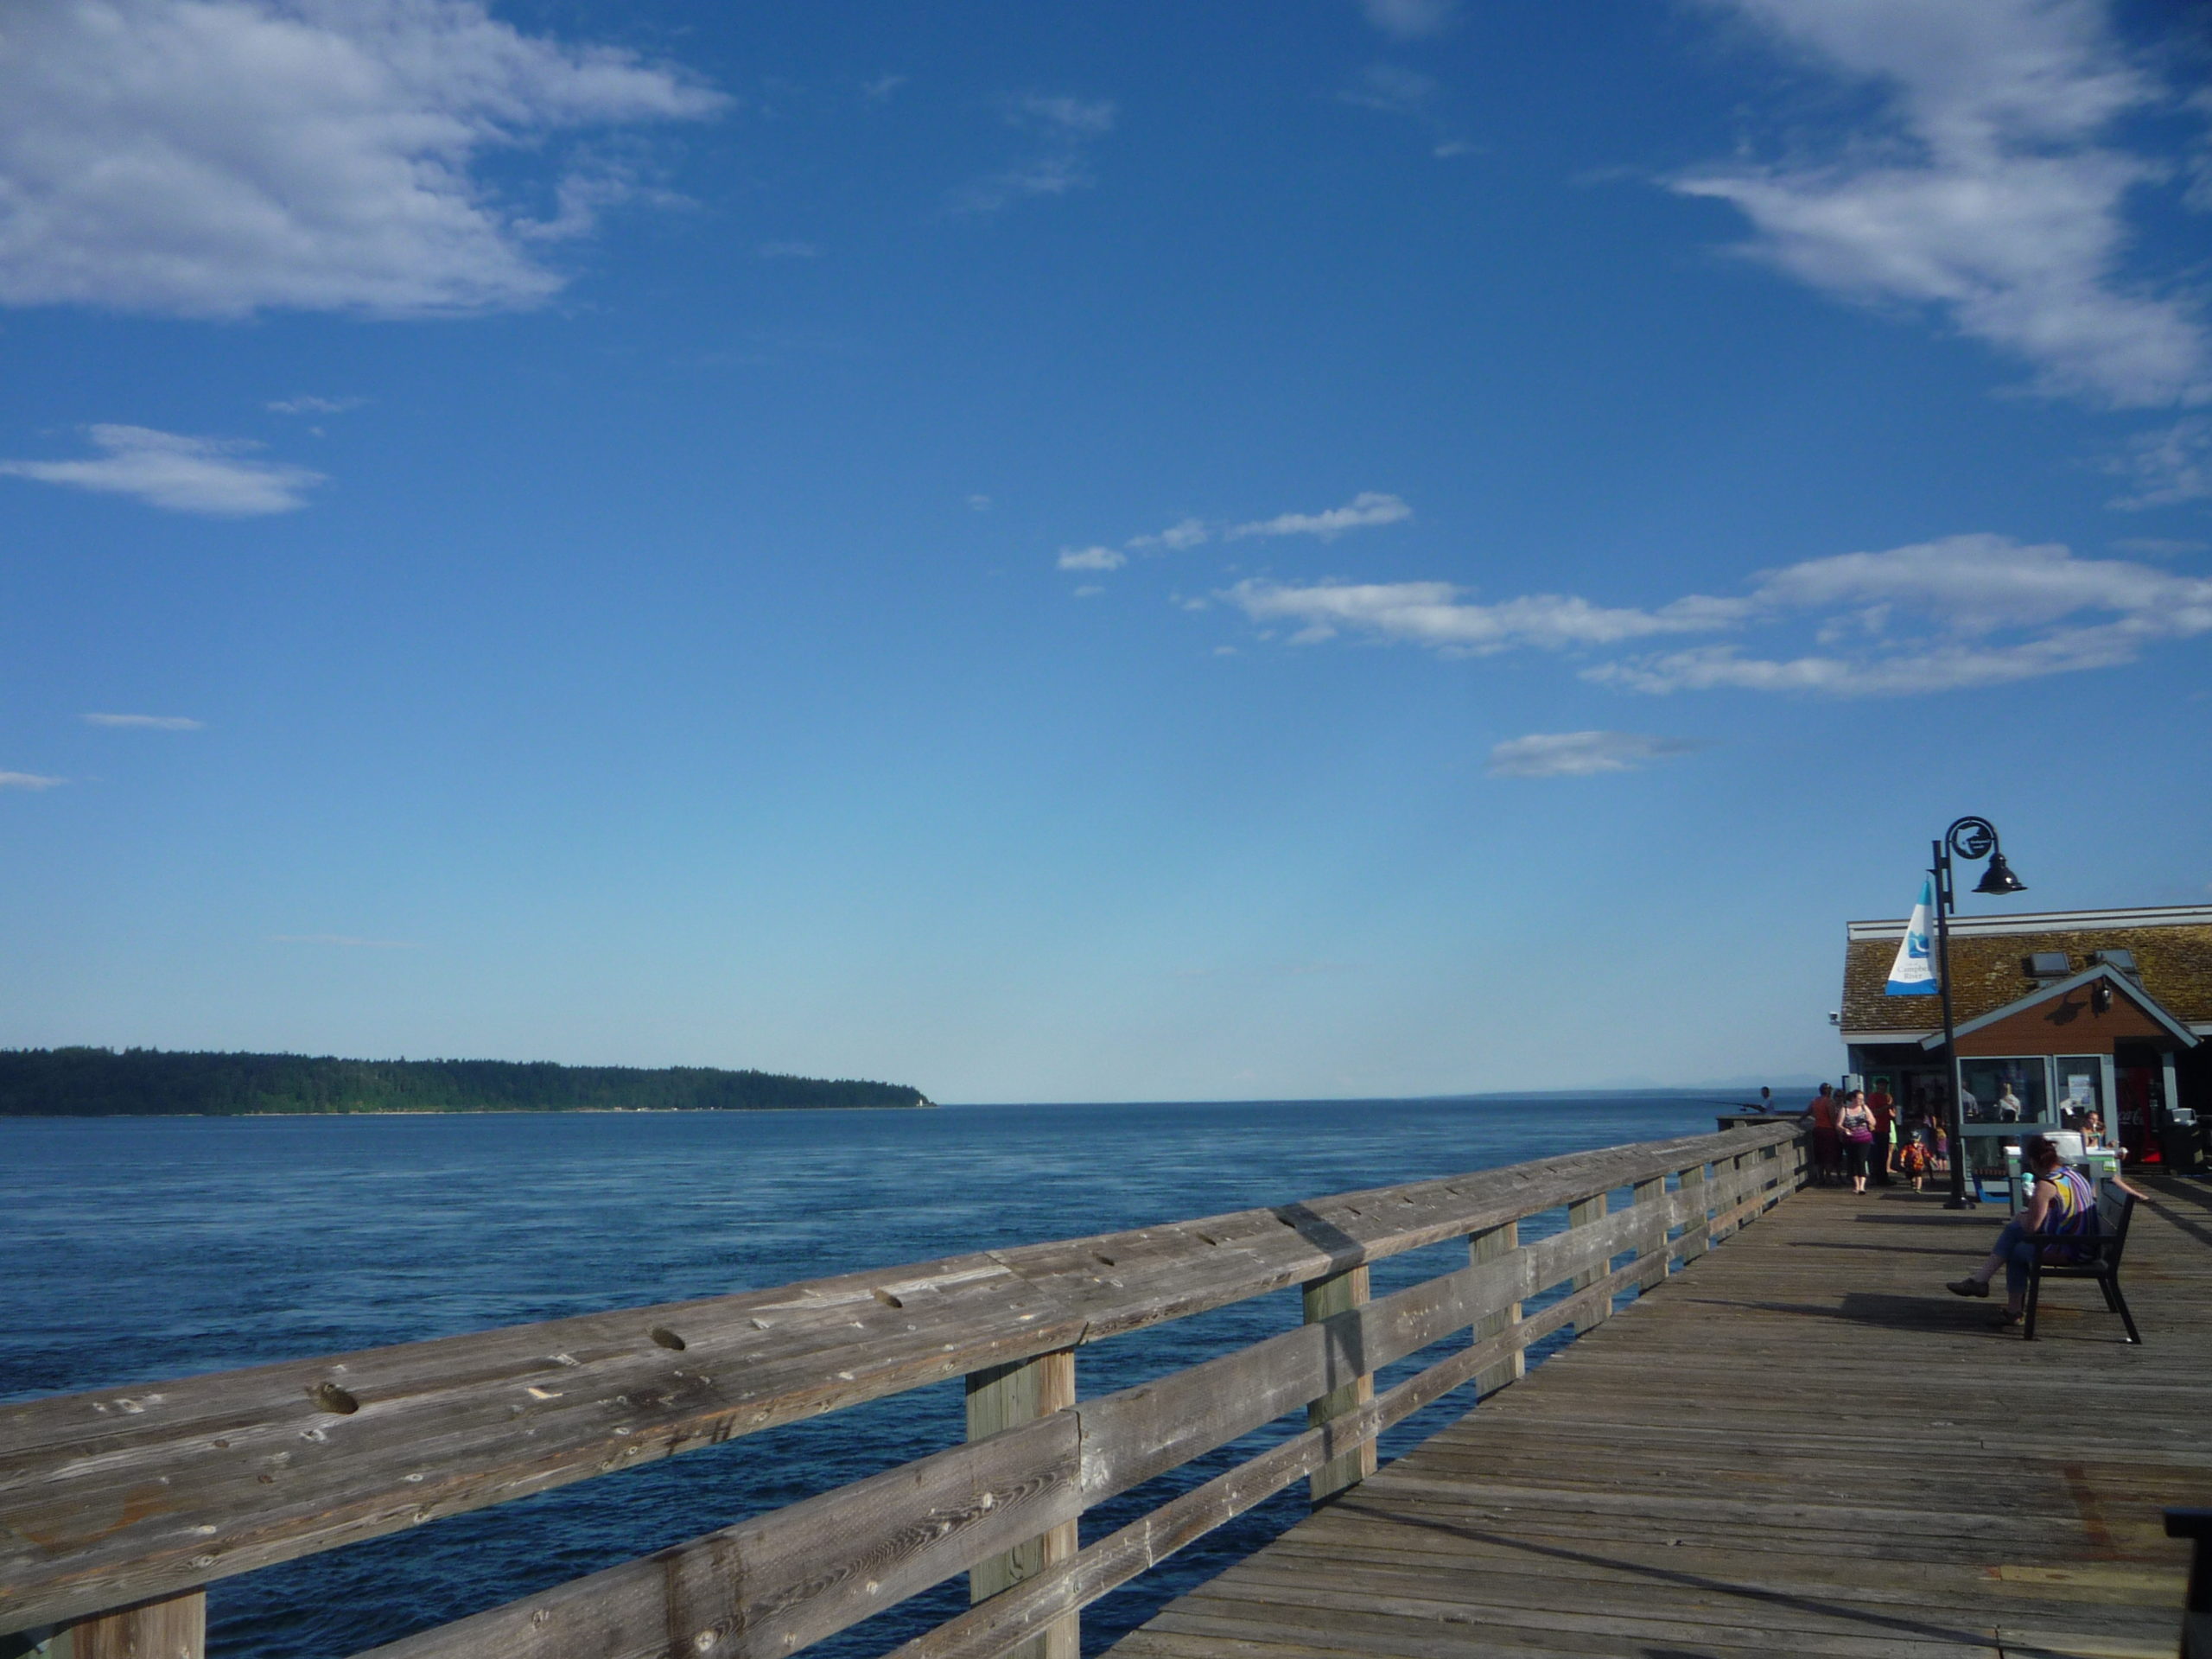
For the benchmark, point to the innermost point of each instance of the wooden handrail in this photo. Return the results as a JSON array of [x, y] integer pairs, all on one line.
[[119, 1497]]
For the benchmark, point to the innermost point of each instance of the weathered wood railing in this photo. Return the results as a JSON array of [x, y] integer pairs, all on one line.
[[118, 1506]]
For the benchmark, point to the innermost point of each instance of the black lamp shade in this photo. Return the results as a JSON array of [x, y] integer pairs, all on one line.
[[1998, 877]]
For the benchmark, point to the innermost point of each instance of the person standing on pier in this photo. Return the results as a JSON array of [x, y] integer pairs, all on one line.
[[1884, 1110], [1825, 1162], [1855, 1125]]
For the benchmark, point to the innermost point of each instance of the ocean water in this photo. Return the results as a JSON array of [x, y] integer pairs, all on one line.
[[142, 1248]]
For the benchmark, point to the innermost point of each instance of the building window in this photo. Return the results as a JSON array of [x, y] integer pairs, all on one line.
[[2007, 1091], [2081, 1089]]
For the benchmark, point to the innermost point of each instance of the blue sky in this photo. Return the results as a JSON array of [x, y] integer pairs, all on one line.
[[1084, 552]]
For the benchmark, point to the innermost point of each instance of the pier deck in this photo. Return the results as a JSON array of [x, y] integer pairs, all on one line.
[[1802, 1446]]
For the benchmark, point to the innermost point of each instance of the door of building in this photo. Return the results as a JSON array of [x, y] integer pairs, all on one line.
[[2137, 1087]]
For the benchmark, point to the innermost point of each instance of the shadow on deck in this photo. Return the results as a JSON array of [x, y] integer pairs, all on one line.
[[1800, 1446]]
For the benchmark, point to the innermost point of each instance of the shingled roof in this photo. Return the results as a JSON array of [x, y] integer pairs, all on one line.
[[2172, 947]]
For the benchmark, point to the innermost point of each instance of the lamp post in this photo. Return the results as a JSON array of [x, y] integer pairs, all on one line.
[[1968, 838]]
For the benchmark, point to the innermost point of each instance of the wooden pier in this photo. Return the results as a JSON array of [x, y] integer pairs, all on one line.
[[1805, 1447], [1789, 1442]]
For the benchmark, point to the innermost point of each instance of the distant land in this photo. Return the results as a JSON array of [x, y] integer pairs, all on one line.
[[149, 1082]]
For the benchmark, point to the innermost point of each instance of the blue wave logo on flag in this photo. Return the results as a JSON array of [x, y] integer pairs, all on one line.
[[1912, 974]]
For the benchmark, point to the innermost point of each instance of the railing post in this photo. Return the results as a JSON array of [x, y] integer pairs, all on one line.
[[1590, 1210], [1490, 1246], [1325, 1298], [1005, 1397], [1735, 1195], [1697, 1232], [1653, 1192], [169, 1627]]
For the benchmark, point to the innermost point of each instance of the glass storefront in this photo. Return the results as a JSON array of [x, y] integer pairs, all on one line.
[[2004, 1098], [2007, 1092], [2082, 1090]]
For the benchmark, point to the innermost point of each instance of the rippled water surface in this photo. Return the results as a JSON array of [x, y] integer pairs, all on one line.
[[143, 1249]]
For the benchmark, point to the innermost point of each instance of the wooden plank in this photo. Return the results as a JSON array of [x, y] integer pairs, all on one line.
[[1650, 1202], [1690, 1198], [778, 1582], [1001, 1624], [1580, 1215], [172, 1627], [119, 1495], [1325, 1298], [1726, 1469], [1006, 1397], [1484, 1248], [771, 1585]]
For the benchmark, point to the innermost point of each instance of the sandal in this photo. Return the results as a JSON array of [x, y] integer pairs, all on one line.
[[1968, 1287]]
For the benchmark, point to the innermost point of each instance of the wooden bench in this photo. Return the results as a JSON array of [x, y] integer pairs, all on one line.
[[2100, 1256]]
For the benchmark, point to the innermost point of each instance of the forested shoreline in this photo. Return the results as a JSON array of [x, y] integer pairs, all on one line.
[[147, 1081]]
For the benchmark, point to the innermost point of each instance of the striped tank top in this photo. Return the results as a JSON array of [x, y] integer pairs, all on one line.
[[2073, 1211]]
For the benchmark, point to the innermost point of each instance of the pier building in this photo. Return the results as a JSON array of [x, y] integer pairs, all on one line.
[[2064, 1012]]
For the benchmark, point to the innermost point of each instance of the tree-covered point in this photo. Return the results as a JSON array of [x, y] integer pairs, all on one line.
[[102, 1082]]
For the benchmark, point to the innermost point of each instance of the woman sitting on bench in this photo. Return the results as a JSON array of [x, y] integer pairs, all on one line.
[[2064, 1202]]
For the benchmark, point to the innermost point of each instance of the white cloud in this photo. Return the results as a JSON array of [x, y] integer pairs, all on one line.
[[1434, 614], [1388, 87], [1964, 611], [1178, 537], [1365, 509], [185, 474], [1976, 584], [1398, 91], [1088, 590], [1065, 127], [1410, 20], [1581, 754], [345, 939], [787, 251], [1092, 558], [148, 723], [2167, 468], [1047, 175], [882, 86], [1986, 191], [31, 780], [1083, 117], [313, 405], [980, 503], [1941, 668], [222, 156]]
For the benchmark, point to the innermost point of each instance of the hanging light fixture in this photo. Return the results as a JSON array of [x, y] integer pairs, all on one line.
[[1967, 838]]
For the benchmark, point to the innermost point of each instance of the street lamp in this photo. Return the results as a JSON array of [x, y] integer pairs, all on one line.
[[1968, 838]]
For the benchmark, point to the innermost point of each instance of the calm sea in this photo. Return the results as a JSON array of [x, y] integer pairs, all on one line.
[[141, 1249]]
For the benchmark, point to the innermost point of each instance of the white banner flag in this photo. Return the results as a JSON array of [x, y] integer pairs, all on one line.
[[1912, 974]]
